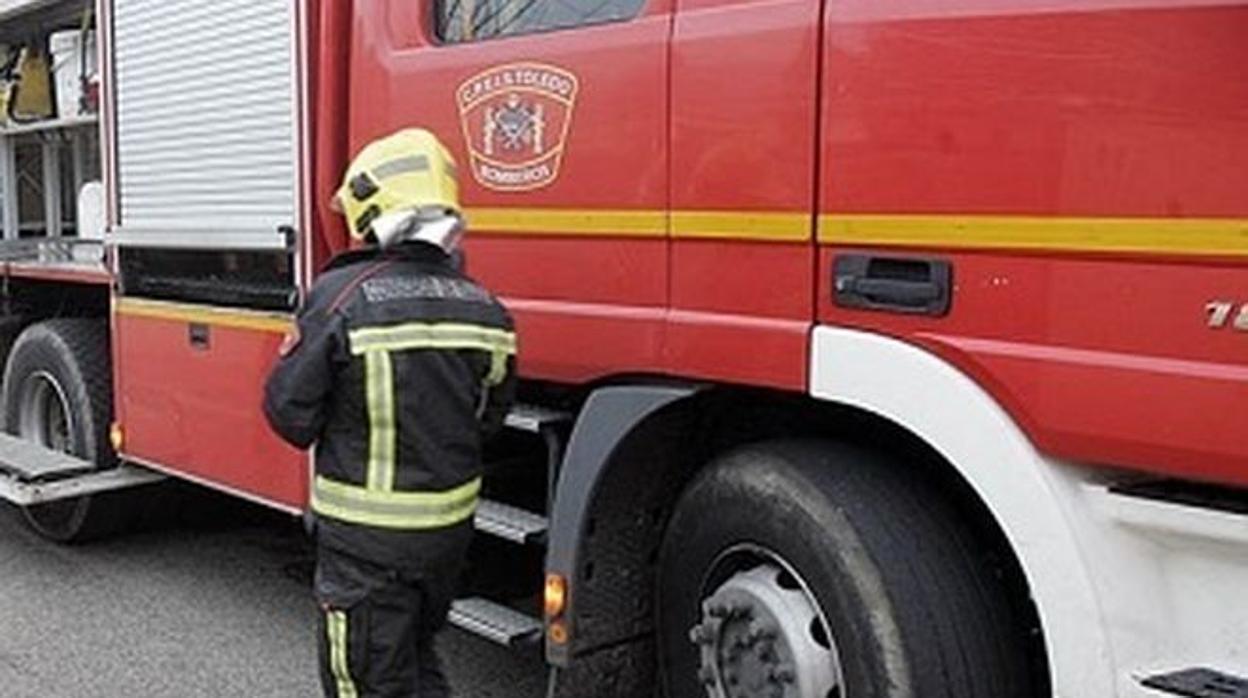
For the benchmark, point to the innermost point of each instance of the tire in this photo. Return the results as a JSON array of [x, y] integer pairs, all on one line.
[[58, 392], [891, 573]]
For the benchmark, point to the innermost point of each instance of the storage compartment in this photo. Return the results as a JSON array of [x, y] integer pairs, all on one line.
[[205, 123]]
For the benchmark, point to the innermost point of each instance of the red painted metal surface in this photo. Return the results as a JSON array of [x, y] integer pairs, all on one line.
[[584, 307], [68, 273], [330, 45], [730, 320], [1129, 377], [1091, 108], [198, 410], [1081, 111], [614, 158], [1120, 109], [744, 77]]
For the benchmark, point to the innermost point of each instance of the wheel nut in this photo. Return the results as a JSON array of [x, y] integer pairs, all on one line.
[[783, 674], [698, 634]]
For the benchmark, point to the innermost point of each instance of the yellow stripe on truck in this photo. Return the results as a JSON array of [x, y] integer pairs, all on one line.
[[742, 225], [1143, 235], [257, 320], [1173, 236], [732, 225], [560, 221]]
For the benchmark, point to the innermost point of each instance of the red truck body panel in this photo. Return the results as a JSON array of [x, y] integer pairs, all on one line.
[[1080, 164], [1063, 155], [589, 289], [1106, 143], [195, 406], [743, 143]]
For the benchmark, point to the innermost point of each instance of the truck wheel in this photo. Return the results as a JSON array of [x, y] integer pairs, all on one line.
[[808, 569], [58, 393]]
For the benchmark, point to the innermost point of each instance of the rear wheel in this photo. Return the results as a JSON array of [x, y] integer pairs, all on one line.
[[58, 393], [804, 569]]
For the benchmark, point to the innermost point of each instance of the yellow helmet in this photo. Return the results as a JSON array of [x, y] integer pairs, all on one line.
[[398, 185]]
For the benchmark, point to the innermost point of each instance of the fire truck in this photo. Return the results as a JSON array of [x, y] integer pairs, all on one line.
[[868, 348]]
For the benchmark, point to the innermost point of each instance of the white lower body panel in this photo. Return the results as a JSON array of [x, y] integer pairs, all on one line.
[[1125, 587]]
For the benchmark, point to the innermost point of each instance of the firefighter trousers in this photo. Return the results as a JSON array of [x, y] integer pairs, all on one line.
[[377, 630]]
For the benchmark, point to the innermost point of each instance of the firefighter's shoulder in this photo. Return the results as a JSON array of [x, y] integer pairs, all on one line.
[[338, 282]]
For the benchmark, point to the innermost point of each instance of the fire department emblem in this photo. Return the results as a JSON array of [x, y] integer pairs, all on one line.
[[516, 120]]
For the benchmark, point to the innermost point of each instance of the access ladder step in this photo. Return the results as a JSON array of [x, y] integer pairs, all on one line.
[[534, 419], [26, 493], [27, 461], [1199, 682], [494, 622], [509, 523]]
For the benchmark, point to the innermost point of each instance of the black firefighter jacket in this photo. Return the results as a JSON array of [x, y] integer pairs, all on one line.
[[399, 369]]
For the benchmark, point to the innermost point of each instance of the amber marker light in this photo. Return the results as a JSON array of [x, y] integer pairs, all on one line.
[[558, 633], [116, 436], [556, 595]]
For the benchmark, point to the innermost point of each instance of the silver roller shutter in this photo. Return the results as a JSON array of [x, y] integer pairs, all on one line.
[[206, 151]]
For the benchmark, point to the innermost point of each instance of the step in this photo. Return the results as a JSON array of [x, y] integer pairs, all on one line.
[[27, 461], [1199, 682], [509, 523], [533, 419], [26, 493], [494, 622]]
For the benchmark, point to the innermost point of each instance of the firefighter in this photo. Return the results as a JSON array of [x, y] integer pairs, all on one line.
[[399, 367]]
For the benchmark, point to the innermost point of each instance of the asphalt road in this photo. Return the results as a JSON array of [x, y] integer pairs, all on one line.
[[210, 597]]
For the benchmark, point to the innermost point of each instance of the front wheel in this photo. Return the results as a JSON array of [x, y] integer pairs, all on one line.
[[808, 569]]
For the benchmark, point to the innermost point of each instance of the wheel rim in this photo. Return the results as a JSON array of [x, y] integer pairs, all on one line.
[[762, 632], [43, 415]]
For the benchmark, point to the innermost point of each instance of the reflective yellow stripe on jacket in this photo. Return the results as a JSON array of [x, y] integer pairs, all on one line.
[[396, 510], [382, 432], [432, 335], [377, 503]]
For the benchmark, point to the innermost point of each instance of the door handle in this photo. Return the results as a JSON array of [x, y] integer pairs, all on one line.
[[910, 285]]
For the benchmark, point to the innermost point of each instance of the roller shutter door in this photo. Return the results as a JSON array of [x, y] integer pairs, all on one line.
[[206, 153]]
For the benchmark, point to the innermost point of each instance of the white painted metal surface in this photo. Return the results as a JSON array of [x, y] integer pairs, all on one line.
[[205, 112], [1124, 587]]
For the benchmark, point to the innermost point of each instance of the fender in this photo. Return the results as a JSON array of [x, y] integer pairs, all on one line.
[[1022, 489], [609, 417]]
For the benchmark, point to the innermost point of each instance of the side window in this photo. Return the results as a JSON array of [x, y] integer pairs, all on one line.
[[459, 21]]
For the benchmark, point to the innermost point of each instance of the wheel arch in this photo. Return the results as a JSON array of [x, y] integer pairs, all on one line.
[[973, 435], [636, 446], [24, 302]]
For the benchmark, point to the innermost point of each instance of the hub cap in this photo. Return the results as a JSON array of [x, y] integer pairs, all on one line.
[[762, 635]]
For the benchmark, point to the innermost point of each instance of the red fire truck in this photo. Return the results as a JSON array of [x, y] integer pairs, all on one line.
[[870, 348]]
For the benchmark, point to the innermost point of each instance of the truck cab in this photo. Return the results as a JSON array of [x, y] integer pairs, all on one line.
[[867, 348]]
